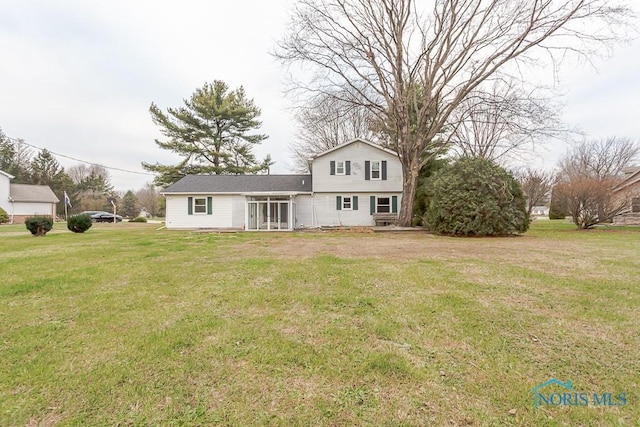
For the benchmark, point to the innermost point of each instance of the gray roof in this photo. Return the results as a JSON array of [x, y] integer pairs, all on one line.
[[241, 184], [32, 193]]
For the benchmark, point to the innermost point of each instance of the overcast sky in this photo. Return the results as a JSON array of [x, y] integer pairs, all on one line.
[[78, 77]]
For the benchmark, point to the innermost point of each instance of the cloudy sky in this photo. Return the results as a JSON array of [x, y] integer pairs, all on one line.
[[78, 77]]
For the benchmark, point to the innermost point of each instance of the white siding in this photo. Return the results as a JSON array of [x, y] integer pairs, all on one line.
[[321, 210], [357, 153], [4, 192], [177, 212], [304, 212], [27, 208], [238, 211]]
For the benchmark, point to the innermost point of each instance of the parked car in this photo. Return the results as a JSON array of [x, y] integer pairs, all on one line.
[[100, 216]]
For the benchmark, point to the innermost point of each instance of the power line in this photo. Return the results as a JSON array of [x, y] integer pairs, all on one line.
[[79, 160]]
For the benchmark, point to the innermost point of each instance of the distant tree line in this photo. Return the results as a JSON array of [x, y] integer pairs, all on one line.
[[88, 186]]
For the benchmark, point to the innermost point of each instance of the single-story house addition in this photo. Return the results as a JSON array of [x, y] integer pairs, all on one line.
[[357, 183], [21, 201]]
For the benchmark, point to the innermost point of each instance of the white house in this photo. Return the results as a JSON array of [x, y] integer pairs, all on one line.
[[357, 183], [22, 200]]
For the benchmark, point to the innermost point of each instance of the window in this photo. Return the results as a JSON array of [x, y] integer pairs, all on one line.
[[340, 167], [346, 203], [635, 204], [200, 206], [375, 170], [383, 205]]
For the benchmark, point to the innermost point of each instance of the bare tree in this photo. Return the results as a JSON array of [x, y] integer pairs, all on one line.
[[327, 122], [81, 172], [589, 173], [413, 68], [589, 200], [504, 122], [602, 158], [536, 185], [148, 199]]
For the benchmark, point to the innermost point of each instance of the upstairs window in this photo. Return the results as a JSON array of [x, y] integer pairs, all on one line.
[[340, 167], [375, 170]]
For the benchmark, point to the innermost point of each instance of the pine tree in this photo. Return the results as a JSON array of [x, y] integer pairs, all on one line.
[[212, 133], [45, 170], [15, 157], [130, 205]]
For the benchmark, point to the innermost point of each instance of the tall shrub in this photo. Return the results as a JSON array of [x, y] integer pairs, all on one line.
[[476, 197]]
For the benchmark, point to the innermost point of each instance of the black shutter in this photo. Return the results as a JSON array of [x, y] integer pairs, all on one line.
[[339, 203], [347, 167], [354, 205], [209, 205], [367, 170], [394, 204], [190, 208], [384, 170], [372, 204], [332, 167]]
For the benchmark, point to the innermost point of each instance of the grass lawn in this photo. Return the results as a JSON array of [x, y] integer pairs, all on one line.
[[129, 325]]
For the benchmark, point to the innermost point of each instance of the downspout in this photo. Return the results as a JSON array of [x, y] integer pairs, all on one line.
[[11, 201]]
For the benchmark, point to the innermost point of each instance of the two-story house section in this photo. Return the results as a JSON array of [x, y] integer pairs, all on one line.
[[353, 184], [355, 181]]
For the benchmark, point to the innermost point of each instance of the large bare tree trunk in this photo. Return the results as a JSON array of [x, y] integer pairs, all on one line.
[[410, 175]]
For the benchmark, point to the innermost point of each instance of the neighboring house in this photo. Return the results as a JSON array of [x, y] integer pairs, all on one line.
[[540, 211], [357, 183], [23, 200], [628, 191]]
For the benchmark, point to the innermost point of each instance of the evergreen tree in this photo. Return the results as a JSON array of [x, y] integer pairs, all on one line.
[[15, 157], [92, 188], [212, 133], [130, 207], [476, 197], [45, 170]]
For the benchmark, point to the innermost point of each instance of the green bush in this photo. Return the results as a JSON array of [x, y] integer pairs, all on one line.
[[476, 197], [138, 219], [79, 223], [39, 225], [4, 216]]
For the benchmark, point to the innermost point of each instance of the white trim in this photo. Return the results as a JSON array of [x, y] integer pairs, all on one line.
[[378, 204], [194, 206], [364, 141], [8, 175], [290, 213], [350, 208], [379, 178]]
